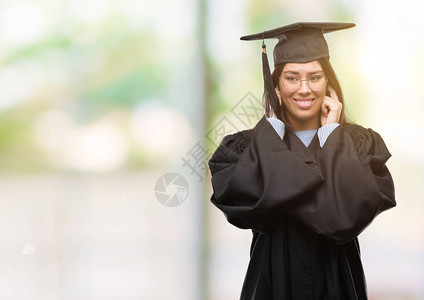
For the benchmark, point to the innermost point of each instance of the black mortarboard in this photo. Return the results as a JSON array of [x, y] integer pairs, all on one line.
[[297, 43]]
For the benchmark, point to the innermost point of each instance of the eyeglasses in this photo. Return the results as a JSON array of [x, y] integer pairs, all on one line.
[[316, 83]]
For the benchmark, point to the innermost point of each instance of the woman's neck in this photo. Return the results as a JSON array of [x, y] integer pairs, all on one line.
[[301, 125]]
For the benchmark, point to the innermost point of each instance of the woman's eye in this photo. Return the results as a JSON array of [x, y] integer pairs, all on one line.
[[291, 79], [316, 78]]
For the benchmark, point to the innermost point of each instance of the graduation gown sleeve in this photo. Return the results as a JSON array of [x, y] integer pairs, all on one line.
[[254, 173], [358, 185]]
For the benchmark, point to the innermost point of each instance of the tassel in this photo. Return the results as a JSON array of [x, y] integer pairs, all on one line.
[[270, 97]]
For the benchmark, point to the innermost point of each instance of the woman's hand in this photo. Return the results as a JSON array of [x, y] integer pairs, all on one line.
[[331, 108]]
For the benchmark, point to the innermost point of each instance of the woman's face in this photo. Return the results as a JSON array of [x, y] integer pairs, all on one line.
[[302, 107]]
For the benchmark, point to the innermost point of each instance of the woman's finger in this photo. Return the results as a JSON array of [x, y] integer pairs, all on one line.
[[328, 102], [333, 93]]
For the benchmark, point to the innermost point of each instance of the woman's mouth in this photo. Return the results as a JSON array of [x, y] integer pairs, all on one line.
[[304, 102]]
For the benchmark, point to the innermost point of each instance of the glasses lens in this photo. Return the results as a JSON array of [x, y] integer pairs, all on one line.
[[292, 84], [317, 83]]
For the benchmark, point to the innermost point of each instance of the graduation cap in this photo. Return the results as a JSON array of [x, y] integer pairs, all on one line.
[[300, 42]]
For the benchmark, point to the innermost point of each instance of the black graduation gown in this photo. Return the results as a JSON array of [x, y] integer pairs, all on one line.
[[305, 205]]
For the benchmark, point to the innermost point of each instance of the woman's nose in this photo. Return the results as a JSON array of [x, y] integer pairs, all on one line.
[[304, 87]]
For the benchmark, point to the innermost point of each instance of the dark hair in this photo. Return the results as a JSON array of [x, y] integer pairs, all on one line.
[[332, 81]]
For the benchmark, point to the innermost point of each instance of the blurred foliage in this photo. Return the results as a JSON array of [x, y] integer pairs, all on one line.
[[263, 17], [89, 70], [101, 70], [18, 152]]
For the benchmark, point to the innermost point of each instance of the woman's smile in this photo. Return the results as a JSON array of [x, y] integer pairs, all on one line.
[[304, 103]]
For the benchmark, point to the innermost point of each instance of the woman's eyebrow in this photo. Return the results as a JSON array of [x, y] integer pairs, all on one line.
[[297, 73]]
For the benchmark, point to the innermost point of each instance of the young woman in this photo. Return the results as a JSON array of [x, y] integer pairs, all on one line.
[[304, 180]]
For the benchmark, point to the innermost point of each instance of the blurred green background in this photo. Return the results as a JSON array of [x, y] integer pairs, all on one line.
[[100, 99]]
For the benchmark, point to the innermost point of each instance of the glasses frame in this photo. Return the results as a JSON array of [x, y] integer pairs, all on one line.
[[301, 82]]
